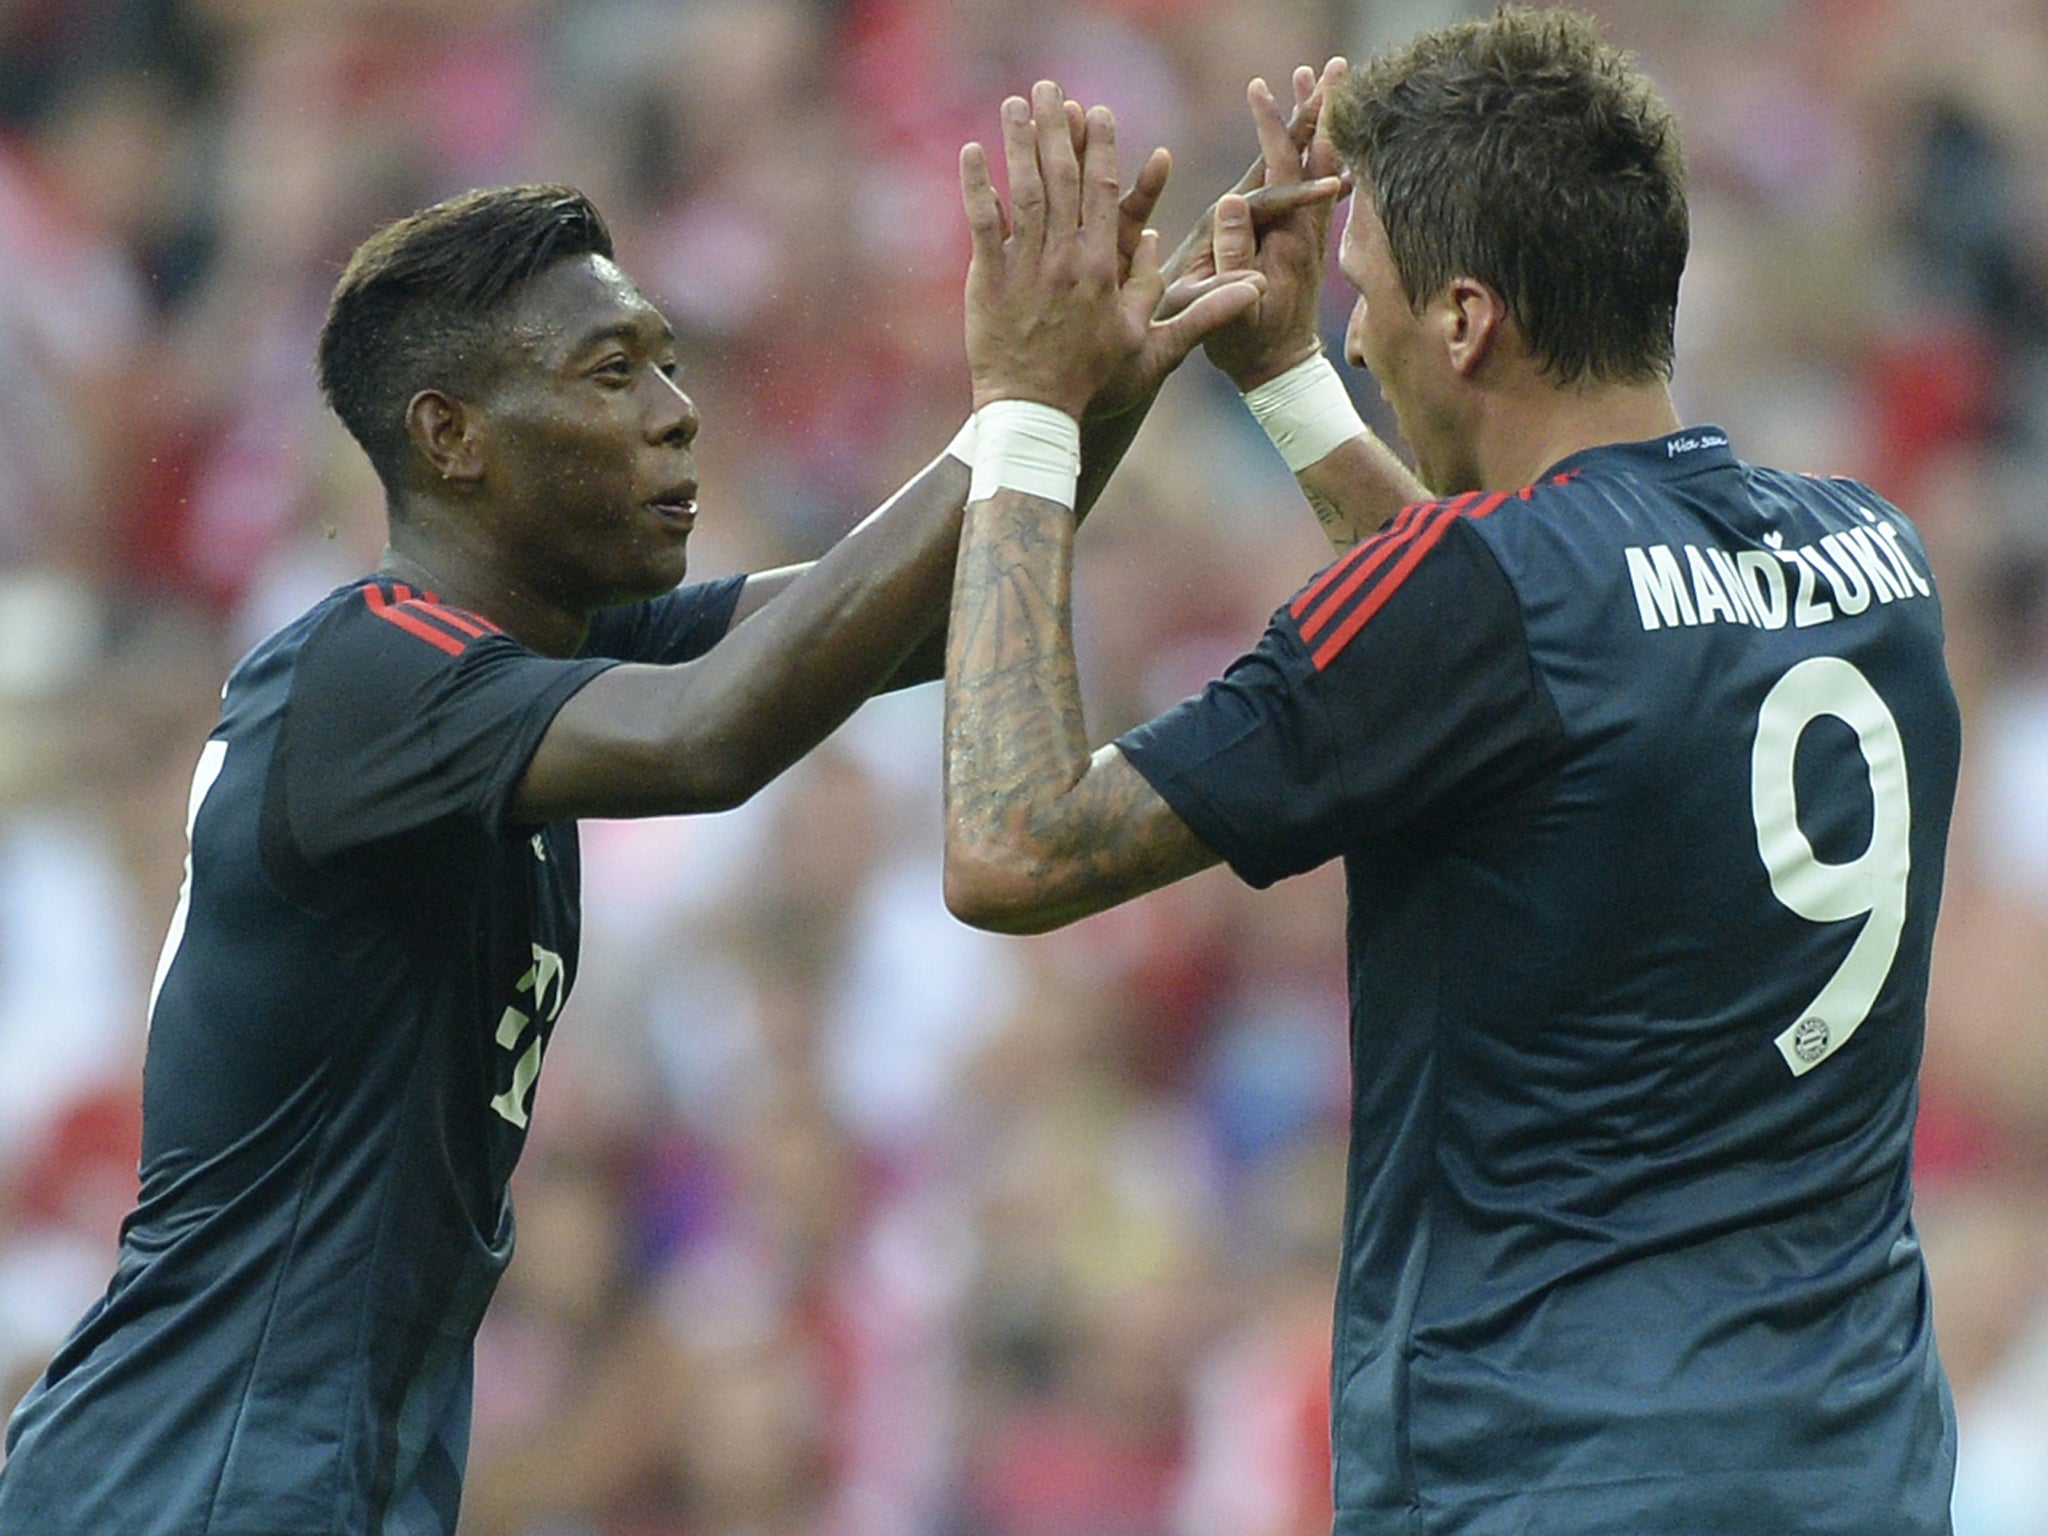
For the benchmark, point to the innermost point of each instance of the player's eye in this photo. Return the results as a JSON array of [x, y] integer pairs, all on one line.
[[616, 368]]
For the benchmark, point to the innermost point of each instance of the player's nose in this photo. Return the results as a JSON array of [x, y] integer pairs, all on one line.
[[675, 416]]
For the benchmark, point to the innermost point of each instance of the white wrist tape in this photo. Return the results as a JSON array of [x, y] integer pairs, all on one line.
[[1022, 445], [962, 446], [1306, 412]]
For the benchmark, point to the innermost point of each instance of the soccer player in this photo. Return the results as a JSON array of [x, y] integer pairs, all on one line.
[[1640, 761], [379, 922]]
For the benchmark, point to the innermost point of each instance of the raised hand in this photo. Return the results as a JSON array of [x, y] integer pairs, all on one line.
[[1135, 384], [1276, 222], [1061, 292]]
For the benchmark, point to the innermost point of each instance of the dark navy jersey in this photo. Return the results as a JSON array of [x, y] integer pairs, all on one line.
[[348, 1023], [1642, 779]]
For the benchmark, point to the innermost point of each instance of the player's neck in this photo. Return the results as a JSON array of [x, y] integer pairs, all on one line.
[[1540, 426], [464, 574]]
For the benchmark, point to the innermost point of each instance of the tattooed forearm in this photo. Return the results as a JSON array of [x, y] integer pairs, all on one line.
[[1356, 488], [1336, 525], [1037, 832], [1013, 706]]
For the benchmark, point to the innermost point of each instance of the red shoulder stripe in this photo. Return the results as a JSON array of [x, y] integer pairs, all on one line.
[[1420, 542], [470, 624], [474, 625], [395, 613], [426, 619], [429, 606], [1375, 554], [1403, 520]]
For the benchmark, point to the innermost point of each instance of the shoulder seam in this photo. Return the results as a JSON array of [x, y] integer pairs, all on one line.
[[422, 616], [1340, 602]]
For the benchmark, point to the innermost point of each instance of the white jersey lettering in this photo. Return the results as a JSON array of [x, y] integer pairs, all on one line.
[[1839, 576]]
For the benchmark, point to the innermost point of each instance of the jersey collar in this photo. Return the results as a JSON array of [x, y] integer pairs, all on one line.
[[1687, 451]]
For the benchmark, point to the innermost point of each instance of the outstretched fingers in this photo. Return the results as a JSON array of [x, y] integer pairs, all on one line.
[[1180, 293], [1239, 216], [1193, 310], [1101, 190], [1027, 186], [1311, 126], [1279, 155], [1134, 213], [985, 220], [1235, 244], [1143, 283], [1057, 164], [1304, 87], [1269, 205]]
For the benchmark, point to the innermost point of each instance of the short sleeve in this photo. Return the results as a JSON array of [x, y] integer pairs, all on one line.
[[404, 716], [1391, 698], [679, 626]]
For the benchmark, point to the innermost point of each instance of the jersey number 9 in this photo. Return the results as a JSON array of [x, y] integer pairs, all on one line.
[[1872, 885]]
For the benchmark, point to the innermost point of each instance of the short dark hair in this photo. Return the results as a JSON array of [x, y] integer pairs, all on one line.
[[1524, 152], [422, 302]]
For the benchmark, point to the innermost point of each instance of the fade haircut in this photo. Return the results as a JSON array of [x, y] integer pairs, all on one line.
[[424, 304], [1522, 151]]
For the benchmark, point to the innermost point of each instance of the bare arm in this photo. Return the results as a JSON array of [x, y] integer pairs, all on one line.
[[705, 735], [818, 638], [1119, 408], [1356, 488], [1359, 485], [1104, 441], [1038, 831]]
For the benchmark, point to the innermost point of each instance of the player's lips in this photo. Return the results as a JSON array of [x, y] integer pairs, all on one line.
[[678, 505]]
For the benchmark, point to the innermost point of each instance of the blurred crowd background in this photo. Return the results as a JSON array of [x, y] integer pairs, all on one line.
[[839, 1219]]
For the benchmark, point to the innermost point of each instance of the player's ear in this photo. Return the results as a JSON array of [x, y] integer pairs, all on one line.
[[1471, 318], [446, 433]]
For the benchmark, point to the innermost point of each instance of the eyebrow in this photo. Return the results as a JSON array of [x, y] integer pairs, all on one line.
[[627, 330]]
